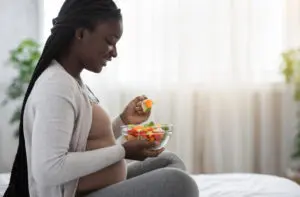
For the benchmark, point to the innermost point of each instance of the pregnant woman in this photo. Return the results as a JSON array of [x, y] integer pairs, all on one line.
[[67, 143]]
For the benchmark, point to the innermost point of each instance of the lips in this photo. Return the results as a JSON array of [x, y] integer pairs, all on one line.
[[105, 59], [104, 63]]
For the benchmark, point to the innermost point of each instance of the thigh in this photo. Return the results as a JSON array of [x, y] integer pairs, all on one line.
[[167, 182], [165, 159]]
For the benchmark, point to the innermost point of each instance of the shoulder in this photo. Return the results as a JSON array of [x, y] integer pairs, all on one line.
[[55, 82]]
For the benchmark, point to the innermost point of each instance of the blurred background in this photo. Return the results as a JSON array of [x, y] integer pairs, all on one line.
[[216, 69]]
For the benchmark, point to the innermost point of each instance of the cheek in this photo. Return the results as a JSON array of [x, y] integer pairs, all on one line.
[[88, 55], [101, 46], [95, 50]]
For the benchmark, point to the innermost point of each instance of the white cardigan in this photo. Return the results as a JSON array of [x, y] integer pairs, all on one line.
[[57, 121]]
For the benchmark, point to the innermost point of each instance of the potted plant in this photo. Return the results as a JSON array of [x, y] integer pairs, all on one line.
[[23, 59], [291, 72]]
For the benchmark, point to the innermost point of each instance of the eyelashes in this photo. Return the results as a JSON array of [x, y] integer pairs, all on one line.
[[108, 42], [113, 41]]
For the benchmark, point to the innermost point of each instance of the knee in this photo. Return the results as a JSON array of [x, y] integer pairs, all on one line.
[[181, 183], [173, 160]]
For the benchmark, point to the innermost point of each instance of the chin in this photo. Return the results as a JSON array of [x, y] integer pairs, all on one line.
[[96, 69]]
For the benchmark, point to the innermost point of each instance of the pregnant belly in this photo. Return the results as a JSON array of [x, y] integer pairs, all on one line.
[[110, 175]]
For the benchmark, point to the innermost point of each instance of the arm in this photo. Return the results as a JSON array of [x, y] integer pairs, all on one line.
[[52, 163], [117, 123]]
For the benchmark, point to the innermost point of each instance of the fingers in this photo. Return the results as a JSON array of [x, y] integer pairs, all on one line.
[[160, 150], [140, 99], [153, 153], [139, 109], [147, 146], [145, 149], [144, 144], [138, 105]]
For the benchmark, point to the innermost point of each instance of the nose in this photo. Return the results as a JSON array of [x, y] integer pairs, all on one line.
[[114, 52]]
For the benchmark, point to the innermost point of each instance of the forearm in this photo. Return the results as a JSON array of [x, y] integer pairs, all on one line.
[[60, 169], [116, 126]]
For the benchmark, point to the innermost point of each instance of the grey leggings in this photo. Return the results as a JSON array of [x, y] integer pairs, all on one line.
[[162, 176]]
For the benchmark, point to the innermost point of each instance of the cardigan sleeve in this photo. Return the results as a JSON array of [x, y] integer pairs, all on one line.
[[116, 125], [53, 124]]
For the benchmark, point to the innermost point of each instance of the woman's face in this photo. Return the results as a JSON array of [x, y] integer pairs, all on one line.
[[97, 47]]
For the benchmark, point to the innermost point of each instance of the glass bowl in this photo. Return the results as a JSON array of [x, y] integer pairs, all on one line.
[[159, 133]]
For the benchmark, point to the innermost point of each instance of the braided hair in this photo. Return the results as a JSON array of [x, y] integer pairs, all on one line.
[[73, 14]]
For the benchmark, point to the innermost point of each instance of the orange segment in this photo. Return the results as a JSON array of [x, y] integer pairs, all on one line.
[[139, 127], [148, 103]]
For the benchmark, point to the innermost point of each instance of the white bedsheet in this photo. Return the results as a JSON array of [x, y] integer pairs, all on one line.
[[230, 185], [245, 185], [4, 180]]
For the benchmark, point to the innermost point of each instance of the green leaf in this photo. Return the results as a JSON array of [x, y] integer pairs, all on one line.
[[17, 132], [15, 89], [16, 116], [148, 110], [150, 124], [23, 59], [296, 155], [297, 95], [165, 128]]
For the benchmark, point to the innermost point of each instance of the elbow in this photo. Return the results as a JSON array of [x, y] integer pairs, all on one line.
[[41, 177], [45, 176]]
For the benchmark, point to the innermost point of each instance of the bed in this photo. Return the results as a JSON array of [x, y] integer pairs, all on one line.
[[229, 185], [245, 185]]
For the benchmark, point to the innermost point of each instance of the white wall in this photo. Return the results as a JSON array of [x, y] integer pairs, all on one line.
[[19, 19]]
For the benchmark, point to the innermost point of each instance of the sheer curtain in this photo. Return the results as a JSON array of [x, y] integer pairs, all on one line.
[[212, 69]]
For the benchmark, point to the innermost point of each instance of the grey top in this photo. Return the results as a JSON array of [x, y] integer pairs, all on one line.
[[57, 121]]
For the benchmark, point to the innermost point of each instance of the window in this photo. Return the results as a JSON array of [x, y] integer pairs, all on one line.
[[208, 42]]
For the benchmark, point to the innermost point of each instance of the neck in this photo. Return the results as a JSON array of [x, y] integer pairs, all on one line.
[[71, 65]]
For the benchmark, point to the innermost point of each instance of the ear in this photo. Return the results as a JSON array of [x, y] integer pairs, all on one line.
[[80, 33]]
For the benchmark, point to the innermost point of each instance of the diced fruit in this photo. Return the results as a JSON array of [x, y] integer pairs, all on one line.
[[158, 125], [130, 137], [151, 139], [151, 124], [138, 127], [158, 136], [147, 105], [151, 132], [132, 132], [131, 126], [165, 128]]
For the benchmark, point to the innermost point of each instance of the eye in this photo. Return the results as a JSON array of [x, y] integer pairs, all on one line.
[[108, 41]]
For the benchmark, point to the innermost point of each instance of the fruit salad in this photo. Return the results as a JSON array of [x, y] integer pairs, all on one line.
[[151, 132], [147, 105]]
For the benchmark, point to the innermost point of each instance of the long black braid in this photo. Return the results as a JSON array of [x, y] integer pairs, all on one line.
[[73, 14]]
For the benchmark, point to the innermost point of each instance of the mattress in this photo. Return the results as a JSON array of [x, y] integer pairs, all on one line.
[[245, 185], [229, 185], [4, 180]]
